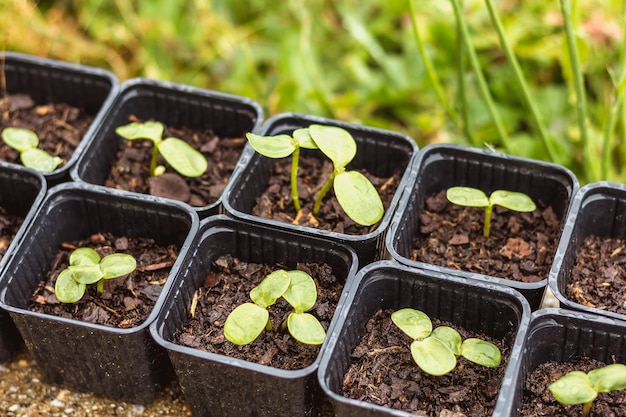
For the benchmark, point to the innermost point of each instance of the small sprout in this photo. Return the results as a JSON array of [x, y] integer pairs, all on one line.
[[179, 154], [578, 387], [473, 197], [25, 142], [435, 351], [86, 267], [246, 322], [356, 195]]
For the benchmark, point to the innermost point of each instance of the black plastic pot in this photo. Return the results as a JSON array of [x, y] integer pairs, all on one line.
[[490, 309], [218, 385], [442, 166], [561, 336], [124, 364], [50, 81], [171, 104], [380, 152], [597, 209], [21, 193]]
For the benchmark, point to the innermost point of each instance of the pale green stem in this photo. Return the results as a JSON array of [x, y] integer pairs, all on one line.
[[474, 62], [520, 80], [581, 104], [587, 408], [323, 192], [487, 225], [430, 69], [154, 159], [268, 326], [100, 286], [295, 157]]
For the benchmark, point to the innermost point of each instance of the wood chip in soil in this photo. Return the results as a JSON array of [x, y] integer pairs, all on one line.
[[539, 401], [126, 302], [598, 277], [276, 202], [60, 126], [383, 372], [227, 286], [521, 246], [130, 170]]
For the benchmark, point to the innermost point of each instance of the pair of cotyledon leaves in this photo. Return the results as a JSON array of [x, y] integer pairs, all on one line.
[[25, 141]]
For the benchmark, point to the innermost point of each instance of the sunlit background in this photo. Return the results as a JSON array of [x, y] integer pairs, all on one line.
[[364, 61]]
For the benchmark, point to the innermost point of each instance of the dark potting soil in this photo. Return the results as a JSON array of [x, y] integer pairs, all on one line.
[[276, 202], [60, 127], [539, 401], [125, 302], [598, 275], [131, 168], [521, 246], [9, 226], [227, 286], [384, 373]]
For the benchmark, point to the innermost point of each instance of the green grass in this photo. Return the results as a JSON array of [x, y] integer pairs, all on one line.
[[509, 82]]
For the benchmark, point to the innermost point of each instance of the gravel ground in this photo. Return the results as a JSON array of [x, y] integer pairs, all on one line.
[[23, 394]]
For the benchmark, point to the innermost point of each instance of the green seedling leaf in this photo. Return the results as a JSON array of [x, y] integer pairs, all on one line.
[[305, 328], [66, 289], [271, 288], [358, 198], [40, 160], [302, 292], [303, 138], [609, 378], [183, 157], [86, 273], [573, 388], [117, 265], [245, 323], [20, 139], [147, 130], [413, 323], [450, 337], [467, 196], [512, 200], [433, 356], [279, 146], [481, 352], [336, 143], [84, 256]]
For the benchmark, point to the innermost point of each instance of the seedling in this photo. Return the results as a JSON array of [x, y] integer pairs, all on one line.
[[473, 197], [86, 267], [356, 195], [246, 322], [181, 156], [25, 142], [436, 351], [578, 387]]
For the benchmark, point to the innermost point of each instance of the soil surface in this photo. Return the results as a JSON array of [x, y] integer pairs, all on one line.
[[598, 275], [60, 127], [276, 202], [9, 226], [227, 286], [131, 169], [126, 302], [538, 400], [521, 246], [383, 373]]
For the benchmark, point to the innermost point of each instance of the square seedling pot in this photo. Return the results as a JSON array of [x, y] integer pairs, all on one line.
[[120, 363], [598, 209], [559, 335], [49, 81], [175, 105], [444, 165], [493, 310], [21, 193], [215, 384], [379, 152]]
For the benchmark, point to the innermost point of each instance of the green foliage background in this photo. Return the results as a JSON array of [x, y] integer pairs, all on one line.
[[358, 60]]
